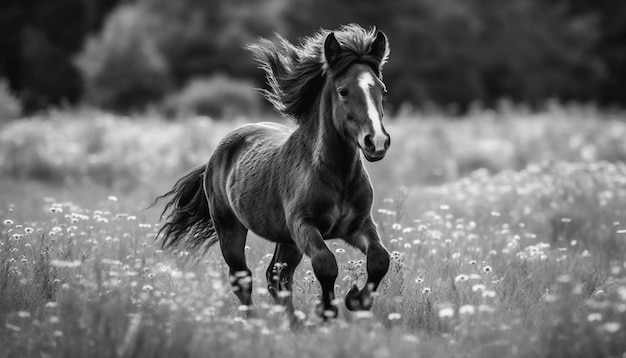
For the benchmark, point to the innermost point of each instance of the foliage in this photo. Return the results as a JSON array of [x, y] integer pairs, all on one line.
[[459, 51], [10, 107], [218, 97], [448, 52], [104, 149], [122, 67], [427, 147], [39, 40]]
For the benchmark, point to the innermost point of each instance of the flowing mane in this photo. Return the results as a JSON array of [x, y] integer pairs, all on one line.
[[296, 73]]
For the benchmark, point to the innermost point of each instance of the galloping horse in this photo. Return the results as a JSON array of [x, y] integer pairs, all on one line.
[[298, 187]]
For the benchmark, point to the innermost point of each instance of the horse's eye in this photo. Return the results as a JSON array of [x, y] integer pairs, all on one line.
[[342, 92]]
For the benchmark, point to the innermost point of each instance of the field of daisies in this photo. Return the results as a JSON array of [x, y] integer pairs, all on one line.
[[507, 230]]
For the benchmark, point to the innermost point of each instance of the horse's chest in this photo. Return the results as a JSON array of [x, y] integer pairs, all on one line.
[[337, 221]]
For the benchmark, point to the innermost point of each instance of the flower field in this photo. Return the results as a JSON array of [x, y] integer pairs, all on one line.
[[525, 257]]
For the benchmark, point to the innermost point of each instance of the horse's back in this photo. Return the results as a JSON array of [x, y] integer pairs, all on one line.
[[241, 174], [248, 140]]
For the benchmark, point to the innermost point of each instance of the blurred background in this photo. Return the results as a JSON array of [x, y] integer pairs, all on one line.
[[120, 93], [186, 56]]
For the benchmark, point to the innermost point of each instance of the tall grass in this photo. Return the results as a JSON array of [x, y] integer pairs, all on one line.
[[504, 262]]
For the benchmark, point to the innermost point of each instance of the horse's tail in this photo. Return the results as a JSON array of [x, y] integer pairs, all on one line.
[[188, 223]]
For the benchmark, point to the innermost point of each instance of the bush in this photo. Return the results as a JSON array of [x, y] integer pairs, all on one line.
[[10, 107], [217, 96], [122, 67]]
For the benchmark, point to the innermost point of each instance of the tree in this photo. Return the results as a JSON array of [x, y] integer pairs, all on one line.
[[38, 40]]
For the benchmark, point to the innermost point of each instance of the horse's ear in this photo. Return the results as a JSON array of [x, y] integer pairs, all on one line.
[[332, 49], [380, 49]]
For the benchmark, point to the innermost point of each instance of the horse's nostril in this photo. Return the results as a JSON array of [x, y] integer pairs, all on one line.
[[369, 142], [387, 142]]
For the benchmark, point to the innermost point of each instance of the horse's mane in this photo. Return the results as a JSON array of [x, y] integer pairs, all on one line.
[[296, 73]]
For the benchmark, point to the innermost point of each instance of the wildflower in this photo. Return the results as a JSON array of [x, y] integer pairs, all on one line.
[[394, 316], [550, 298], [147, 288], [28, 230], [585, 253], [363, 314], [487, 269], [478, 288], [564, 279], [8, 222], [419, 280], [12, 327], [112, 198], [461, 278], [54, 319], [489, 294], [23, 314], [301, 316], [66, 264], [426, 290], [467, 310], [594, 317], [486, 309], [611, 327], [51, 305], [446, 312], [340, 251], [472, 262], [396, 226]]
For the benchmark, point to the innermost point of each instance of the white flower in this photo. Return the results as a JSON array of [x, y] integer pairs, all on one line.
[[446, 312], [467, 310], [594, 317]]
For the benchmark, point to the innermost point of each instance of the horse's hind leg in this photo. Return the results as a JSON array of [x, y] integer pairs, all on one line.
[[280, 274], [367, 240], [232, 237]]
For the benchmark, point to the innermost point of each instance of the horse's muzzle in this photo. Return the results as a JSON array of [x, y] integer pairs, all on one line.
[[375, 148]]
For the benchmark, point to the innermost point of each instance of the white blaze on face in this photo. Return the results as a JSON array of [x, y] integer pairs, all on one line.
[[365, 81]]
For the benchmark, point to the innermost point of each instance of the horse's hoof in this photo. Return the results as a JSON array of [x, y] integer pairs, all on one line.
[[358, 300]]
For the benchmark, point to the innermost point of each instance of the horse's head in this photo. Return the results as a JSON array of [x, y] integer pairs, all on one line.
[[357, 96]]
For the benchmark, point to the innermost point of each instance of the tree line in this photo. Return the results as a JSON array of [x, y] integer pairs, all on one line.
[[126, 55]]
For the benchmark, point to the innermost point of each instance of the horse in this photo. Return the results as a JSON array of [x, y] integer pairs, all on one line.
[[296, 187]]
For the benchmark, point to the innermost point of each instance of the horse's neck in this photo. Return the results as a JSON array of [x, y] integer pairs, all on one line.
[[331, 153]]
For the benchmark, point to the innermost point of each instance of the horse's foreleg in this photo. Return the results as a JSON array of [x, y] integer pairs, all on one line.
[[280, 274], [367, 240], [310, 241]]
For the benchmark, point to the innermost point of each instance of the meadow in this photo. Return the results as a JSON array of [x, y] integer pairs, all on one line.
[[507, 230]]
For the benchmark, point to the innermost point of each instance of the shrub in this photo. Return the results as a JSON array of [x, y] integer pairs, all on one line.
[[10, 107], [217, 96], [122, 67]]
